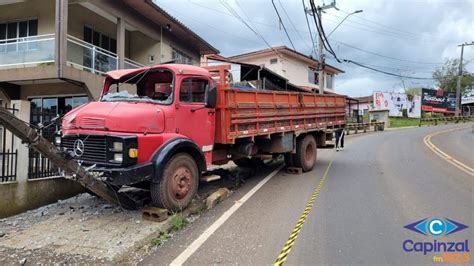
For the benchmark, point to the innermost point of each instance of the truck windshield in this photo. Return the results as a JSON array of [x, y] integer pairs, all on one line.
[[156, 86]]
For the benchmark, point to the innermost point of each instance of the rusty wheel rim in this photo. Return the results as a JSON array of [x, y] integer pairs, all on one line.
[[181, 183], [309, 154]]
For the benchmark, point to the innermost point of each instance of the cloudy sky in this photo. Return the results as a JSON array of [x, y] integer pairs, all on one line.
[[410, 38]]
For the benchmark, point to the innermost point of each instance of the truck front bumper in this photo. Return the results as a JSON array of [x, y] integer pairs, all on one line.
[[127, 175]]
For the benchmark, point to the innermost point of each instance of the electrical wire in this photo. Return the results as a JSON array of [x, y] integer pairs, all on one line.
[[238, 17], [294, 27], [309, 29], [385, 72], [281, 23]]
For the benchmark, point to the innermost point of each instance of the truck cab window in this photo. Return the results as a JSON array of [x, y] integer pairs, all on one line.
[[193, 90], [153, 87]]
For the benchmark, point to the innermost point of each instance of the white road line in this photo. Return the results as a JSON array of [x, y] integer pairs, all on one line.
[[189, 251]]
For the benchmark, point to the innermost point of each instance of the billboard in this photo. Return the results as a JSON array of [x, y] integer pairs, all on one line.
[[438, 101], [396, 102]]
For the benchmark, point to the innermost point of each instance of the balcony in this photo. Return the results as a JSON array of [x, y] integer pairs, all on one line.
[[38, 50], [27, 51]]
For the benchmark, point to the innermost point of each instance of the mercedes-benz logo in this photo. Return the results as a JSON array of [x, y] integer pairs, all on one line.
[[78, 148]]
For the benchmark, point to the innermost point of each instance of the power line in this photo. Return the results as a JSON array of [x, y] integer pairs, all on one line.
[[393, 28], [385, 72], [281, 23], [313, 43], [389, 57], [294, 27], [237, 16]]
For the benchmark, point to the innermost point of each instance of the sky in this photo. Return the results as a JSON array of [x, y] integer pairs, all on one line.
[[409, 38]]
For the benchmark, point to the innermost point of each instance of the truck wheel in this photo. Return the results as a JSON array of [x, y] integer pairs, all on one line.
[[178, 185], [305, 156]]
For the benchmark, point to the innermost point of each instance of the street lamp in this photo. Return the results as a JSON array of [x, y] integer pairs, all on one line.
[[350, 14]]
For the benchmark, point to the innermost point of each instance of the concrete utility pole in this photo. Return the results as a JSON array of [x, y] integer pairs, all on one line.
[[321, 77], [458, 85]]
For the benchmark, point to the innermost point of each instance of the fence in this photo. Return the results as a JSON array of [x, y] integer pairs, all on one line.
[[8, 153], [439, 120], [356, 127]]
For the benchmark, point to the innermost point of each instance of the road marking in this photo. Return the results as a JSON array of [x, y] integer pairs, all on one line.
[[294, 234], [448, 158], [189, 251]]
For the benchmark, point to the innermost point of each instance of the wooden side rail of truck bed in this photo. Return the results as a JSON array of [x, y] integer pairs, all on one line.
[[246, 113]]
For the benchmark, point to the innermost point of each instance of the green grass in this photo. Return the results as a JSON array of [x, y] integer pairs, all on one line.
[[403, 122], [178, 222], [154, 242]]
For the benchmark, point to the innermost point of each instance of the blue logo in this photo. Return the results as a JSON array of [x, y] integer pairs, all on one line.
[[436, 227]]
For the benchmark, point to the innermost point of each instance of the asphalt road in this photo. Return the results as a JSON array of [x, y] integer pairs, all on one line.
[[378, 184]]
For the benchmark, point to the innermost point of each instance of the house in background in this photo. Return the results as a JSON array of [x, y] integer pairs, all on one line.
[[298, 68], [362, 104], [53, 54]]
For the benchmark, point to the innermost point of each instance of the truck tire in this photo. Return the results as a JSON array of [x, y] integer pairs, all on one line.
[[306, 153], [178, 185]]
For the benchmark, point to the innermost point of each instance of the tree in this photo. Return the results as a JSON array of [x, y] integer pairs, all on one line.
[[447, 74], [411, 92]]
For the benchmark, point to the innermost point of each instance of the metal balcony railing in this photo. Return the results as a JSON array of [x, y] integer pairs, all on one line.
[[37, 50], [26, 51], [86, 56]]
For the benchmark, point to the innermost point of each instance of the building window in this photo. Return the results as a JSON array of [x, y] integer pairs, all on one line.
[[193, 90], [180, 58], [313, 76], [15, 34], [273, 61], [329, 81], [100, 40]]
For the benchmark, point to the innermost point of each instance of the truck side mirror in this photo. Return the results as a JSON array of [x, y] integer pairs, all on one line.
[[211, 96]]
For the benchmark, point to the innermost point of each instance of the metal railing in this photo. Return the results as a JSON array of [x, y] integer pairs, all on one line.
[[40, 49], [440, 120], [356, 127], [86, 56], [25, 51], [8, 153]]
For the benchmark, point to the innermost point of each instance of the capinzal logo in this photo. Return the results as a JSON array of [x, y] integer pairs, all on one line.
[[436, 226]]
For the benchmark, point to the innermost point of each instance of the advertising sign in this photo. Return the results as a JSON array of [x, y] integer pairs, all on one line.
[[396, 102], [414, 107], [438, 101]]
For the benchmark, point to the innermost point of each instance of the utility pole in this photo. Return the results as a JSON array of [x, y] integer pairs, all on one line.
[[319, 11], [458, 85]]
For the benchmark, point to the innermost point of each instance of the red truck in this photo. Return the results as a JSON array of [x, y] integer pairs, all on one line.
[[161, 127]]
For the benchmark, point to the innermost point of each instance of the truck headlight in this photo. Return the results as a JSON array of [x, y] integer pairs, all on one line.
[[118, 157], [118, 146], [57, 140]]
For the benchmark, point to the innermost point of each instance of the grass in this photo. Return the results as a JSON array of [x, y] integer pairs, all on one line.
[[154, 242], [178, 222], [403, 122]]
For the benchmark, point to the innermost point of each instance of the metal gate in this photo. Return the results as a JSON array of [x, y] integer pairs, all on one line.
[[38, 165], [8, 153]]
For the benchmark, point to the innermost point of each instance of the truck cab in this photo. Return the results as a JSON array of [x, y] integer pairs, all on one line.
[[152, 127]]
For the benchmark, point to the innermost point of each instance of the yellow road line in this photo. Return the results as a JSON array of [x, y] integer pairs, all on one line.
[[294, 234], [448, 158]]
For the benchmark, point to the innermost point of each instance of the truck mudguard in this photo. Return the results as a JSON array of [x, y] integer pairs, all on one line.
[[167, 150]]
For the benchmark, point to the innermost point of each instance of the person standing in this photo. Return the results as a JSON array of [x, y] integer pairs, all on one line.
[[339, 139]]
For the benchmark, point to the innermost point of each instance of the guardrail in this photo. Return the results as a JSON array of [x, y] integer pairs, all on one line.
[[439, 120], [356, 127]]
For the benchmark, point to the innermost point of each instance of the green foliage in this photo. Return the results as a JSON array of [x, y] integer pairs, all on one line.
[[157, 241], [447, 74], [178, 222], [403, 122], [411, 92]]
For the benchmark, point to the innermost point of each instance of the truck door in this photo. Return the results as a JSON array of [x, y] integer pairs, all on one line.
[[193, 119]]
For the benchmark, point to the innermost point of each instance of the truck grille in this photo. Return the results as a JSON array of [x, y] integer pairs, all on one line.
[[95, 147]]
